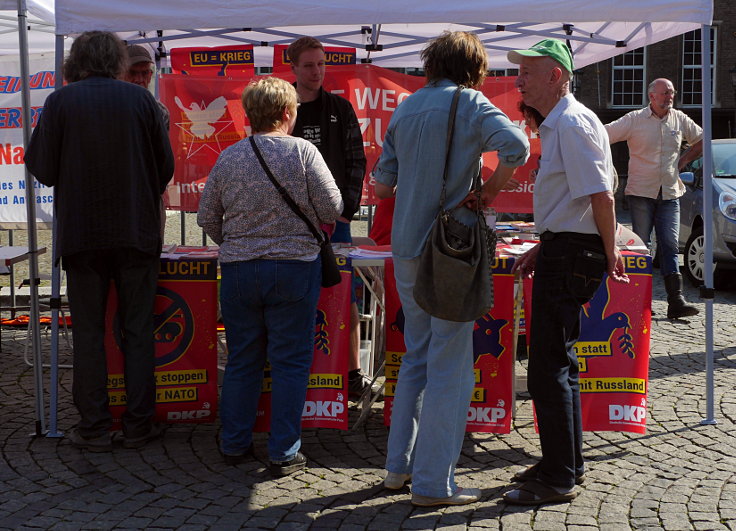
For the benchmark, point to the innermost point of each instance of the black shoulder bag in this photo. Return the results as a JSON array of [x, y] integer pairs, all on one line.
[[330, 272], [454, 280]]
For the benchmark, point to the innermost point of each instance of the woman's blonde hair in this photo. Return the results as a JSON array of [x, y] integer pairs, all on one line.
[[458, 56], [265, 100]]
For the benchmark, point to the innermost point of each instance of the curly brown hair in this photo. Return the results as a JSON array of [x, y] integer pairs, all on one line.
[[458, 56], [95, 53]]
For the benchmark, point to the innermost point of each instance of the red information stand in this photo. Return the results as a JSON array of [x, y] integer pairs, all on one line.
[[327, 392], [613, 351], [491, 406], [186, 343]]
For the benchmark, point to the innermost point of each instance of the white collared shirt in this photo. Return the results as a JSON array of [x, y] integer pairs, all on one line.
[[575, 163], [654, 148]]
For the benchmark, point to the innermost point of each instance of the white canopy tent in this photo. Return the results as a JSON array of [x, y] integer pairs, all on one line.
[[391, 33]]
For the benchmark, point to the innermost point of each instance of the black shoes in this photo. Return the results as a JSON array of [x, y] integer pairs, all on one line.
[[101, 443], [358, 383], [285, 468], [237, 459], [133, 443]]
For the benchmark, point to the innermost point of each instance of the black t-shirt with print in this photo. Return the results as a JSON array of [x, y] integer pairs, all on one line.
[[308, 122]]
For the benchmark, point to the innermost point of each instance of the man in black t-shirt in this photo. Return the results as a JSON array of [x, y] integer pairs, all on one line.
[[328, 121]]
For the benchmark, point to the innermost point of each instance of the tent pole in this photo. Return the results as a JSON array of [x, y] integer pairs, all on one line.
[[31, 220], [55, 282], [707, 292]]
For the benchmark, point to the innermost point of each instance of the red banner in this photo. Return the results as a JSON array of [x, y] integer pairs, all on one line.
[[206, 117], [186, 343], [327, 393], [233, 61], [334, 56], [491, 406], [613, 349]]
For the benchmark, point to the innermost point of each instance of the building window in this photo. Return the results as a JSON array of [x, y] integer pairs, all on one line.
[[629, 73], [692, 75]]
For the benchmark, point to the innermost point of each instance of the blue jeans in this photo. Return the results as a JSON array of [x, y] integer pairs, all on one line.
[[568, 270], [664, 216], [268, 308], [430, 408]]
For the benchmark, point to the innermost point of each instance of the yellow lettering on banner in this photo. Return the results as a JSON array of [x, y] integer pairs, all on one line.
[[500, 262], [325, 381], [582, 364], [613, 385], [117, 398], [186, 268], [477, 375], [194, 376], [176, 394], [198, 57], [394, 358], [390, 388], [334, 58], [266, 387], [592, 348], [391, 372], [479, 395], [341, 260], [115, 381], [635, 262]]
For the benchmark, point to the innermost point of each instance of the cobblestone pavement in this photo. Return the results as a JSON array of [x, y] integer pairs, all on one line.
[[679, 475]]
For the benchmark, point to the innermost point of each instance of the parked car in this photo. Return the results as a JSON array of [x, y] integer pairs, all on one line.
[[692, 242]]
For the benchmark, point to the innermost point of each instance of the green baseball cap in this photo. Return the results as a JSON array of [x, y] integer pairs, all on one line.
[[553, 48]]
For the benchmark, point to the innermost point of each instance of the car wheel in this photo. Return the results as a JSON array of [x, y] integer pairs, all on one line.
[[695, 257], [695, 263]]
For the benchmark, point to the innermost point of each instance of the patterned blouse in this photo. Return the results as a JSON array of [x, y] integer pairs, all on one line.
[[242, 211]]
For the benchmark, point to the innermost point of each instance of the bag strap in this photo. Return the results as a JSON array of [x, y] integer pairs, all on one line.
[[450, 133], [284, 194]]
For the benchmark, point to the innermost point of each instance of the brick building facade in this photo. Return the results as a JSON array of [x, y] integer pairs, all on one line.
[[616, 86]]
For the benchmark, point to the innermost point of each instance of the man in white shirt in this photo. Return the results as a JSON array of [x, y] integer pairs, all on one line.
[[654, 135], [574, 214]]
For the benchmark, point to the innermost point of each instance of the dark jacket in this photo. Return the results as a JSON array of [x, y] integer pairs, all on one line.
[[102, 144], [342, 149]]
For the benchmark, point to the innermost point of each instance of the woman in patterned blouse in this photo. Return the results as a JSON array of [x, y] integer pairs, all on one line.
[[271, 271]]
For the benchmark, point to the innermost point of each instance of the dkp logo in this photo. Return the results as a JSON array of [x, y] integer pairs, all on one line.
[[627, 413], [486, 414], [321, 408]]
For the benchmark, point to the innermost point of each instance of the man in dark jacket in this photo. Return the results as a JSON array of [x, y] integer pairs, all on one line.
[[329, 122], [102, 144]]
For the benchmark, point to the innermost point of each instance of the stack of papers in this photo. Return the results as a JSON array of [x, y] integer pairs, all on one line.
[[178, 252], [371, 251]]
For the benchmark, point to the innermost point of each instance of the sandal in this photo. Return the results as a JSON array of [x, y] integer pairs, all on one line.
[[532, 471], [535, 492]]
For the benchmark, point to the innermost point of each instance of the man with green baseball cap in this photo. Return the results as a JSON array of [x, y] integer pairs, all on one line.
[[575, 217], [553, 48]]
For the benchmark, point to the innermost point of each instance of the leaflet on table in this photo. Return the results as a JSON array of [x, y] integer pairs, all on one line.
[[371, 251], [177, 252]]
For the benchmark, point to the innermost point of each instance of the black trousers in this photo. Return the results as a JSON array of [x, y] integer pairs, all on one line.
[[568, 271], [89, 275]]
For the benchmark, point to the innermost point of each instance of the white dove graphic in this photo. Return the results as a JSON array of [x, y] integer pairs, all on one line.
[[203, 118]]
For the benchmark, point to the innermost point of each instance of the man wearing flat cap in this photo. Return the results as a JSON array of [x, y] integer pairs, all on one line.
[[575, 217], [139, 73]]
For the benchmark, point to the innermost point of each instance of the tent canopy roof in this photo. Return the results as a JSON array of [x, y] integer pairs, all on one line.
[[596, 29]]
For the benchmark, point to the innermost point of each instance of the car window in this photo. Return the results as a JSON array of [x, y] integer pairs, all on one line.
[[724, 160]]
